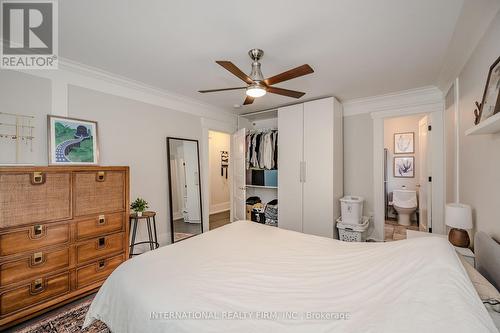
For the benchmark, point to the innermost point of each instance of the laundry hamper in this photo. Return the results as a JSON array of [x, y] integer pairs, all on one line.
[[352, 209], [353, 232]]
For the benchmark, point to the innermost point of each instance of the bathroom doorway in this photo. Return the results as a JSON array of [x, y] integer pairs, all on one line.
[[407, 182], [219, 179]]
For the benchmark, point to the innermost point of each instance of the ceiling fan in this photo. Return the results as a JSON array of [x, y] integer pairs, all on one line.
[[257, 86]]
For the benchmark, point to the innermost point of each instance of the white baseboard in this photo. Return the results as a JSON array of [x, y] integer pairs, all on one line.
[[219, 208], [177, 215]]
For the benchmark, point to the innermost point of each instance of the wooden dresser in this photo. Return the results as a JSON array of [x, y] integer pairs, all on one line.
[[63, 230]]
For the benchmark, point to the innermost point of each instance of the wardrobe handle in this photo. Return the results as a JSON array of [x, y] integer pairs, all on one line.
[[303, 172]]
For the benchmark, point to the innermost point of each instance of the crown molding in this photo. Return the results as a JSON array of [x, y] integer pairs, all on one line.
[[71, 73], [410, 100]]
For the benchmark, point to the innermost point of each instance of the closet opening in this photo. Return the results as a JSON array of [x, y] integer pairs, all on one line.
[[220, 180], [255, 187]]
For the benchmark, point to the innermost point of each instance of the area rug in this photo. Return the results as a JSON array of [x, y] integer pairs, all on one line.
[[68, 321]]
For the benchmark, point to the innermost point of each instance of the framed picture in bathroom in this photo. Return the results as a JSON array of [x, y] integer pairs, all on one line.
[[404, 143], [404, 167]]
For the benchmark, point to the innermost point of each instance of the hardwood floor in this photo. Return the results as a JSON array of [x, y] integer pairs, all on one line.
[[219, 219], [187, 228]]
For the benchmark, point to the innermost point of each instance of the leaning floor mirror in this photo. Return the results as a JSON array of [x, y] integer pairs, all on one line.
[[186, 218]]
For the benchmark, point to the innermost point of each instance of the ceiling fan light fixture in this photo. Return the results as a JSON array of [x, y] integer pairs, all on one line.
[[256, 90]]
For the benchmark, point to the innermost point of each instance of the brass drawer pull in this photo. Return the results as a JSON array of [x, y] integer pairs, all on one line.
[[37, 286], [101, 243], [101, 220], [100, 177], [37, 258], [37, 178], [101, 264], [37, 231]]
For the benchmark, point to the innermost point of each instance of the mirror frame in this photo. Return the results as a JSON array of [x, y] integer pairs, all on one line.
[[171, 213]]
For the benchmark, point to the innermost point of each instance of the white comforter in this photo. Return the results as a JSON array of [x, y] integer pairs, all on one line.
[[239, 276]]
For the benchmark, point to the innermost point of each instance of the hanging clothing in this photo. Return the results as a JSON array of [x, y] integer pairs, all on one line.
[[261, 150], [254, 160], [267, 152]]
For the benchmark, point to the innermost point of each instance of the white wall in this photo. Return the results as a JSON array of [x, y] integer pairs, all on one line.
[[24, 94], [479, 166], [391, 127], [451, 145], [358, 159], [219, 185]]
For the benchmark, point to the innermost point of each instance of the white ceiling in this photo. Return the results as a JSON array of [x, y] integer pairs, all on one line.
[[357, 48]]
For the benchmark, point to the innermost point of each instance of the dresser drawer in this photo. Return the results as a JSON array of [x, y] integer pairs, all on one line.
[[33, 238], [31, 266], [97, 271], [98, 225], [36, 291], [99, 192], [27, 198], [99, 247]]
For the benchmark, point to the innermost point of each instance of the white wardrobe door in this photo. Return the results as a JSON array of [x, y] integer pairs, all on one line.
[[290, 148], [238, 147], [318, 154]]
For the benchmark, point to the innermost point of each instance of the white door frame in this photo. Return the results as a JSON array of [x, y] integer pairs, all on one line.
[[208, 125], [435, 112]]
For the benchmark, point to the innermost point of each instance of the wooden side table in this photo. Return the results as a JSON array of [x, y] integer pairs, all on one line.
[[147, 217]]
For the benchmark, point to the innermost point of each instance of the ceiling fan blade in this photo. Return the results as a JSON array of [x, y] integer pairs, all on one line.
[[290, 74], [223, 89], [285, 92], [248, 100], [235, 70]]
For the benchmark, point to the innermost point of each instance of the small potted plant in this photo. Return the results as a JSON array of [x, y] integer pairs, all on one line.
[[139, 206]]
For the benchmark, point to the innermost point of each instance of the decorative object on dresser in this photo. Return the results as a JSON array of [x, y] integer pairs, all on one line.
[[148, 217], [72, 141], [404, 143], [63, 230], [458, 217], [490, 104], [16, 129], [139, 206]]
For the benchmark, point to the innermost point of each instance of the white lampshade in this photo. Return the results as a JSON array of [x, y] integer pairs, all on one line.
[[458, 216]]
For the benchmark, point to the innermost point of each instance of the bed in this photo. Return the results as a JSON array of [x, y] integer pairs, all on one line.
[[248, 277]]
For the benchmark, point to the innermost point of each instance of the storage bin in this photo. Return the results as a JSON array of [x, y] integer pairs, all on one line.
[[258, 216], [353, 232], [258, 177], [250, 203], [271, 212], [270, 177], [352, 209]]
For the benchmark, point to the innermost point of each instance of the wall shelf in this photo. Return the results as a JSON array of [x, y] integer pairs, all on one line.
[[489, 126], [259, 186]]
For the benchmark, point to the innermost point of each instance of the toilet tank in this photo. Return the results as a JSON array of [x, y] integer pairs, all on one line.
[[404, 198]]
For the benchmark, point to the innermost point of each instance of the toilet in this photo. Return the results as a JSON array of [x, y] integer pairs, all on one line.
[[405, 203]]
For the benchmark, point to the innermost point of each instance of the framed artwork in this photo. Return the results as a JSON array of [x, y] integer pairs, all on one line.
[[72, 141], [490, 104], [404, 167], [404, 143]]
